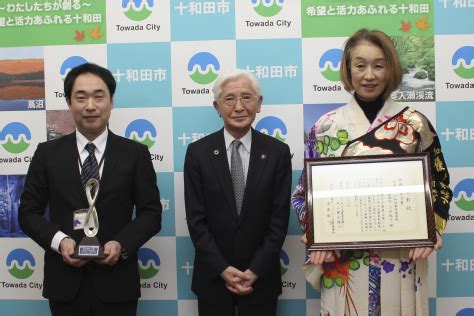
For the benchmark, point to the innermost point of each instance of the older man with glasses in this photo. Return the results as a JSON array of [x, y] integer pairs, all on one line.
[[237, 192]]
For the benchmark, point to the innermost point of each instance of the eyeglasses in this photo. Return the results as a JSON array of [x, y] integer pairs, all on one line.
[[244, 100]]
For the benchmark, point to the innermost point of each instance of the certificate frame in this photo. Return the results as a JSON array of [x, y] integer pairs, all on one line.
[[415, 225]]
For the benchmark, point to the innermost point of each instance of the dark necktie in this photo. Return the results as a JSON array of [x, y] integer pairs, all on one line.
[[90, 168], [237, 173]]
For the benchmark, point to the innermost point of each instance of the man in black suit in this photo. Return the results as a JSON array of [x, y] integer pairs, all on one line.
[[109, 286], [237, 194]]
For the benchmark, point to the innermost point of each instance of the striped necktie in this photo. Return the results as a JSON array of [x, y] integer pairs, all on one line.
[[90, 168]]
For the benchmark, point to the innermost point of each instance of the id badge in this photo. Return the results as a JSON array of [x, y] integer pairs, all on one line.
[[79, 219]]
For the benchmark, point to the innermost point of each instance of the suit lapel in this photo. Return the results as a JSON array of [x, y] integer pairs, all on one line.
[[218, 158], [110, 160], [257, 163], [71, 164]]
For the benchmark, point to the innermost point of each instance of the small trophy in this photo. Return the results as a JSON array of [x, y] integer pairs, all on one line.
[[89, 247]]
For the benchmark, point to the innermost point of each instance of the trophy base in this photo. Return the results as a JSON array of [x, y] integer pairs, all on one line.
[[89, 248]]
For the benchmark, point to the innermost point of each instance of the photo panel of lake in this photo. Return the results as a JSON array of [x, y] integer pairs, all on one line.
[[22, 79]]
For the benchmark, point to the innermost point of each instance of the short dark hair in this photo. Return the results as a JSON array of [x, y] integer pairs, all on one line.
[[99, 71], [378, 38]]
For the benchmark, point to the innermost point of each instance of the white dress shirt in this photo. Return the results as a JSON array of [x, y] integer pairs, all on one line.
[[100, 143]]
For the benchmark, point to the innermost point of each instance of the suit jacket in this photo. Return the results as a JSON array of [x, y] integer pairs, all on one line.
[[128, 180], [251, 240]]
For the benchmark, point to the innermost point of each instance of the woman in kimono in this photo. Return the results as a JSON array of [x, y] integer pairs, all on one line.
[[377, 281]]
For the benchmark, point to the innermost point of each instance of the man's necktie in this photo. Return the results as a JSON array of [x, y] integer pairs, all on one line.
[[90, 168], [237, 173]]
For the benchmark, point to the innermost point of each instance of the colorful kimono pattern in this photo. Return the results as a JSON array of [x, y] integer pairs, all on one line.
[[376, 282]]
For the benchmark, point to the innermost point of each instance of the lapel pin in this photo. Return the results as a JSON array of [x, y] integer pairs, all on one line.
[[263, 157], [216, 152]]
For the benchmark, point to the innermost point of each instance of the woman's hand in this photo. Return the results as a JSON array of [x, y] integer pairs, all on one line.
[[318, 257], [424, 252]]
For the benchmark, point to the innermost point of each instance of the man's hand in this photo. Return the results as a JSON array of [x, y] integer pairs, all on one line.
[[234, 279], [66, 248], [112, 252], [248, 281], [424, 252]]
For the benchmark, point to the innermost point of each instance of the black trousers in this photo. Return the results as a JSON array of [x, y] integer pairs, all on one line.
[[238, 306], [86, 303]]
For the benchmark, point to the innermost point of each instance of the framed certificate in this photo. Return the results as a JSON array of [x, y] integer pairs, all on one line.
[[369, 202]]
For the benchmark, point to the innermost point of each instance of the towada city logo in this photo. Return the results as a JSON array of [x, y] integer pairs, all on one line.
[[267, 8], [137, 10], [15, 137], [284, 262], [330, 63], [465, 312], [463, 195], [463, 62], [20, 263], [148, 263], [70, 63], [272, 126], [141, 131], [203, 68]]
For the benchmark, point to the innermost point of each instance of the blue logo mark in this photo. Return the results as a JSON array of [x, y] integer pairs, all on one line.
[[330, 63], [137, 10], [272, 126], [463, 61], [148, 263], [464, 195], [77, 223], [70, 63], [203, 68], [267, 8], [20, 263], [15, 137], [141, 131], [466, 312], [284, 262]]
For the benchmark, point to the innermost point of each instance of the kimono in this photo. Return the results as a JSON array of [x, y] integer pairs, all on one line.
[[377, 281]]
